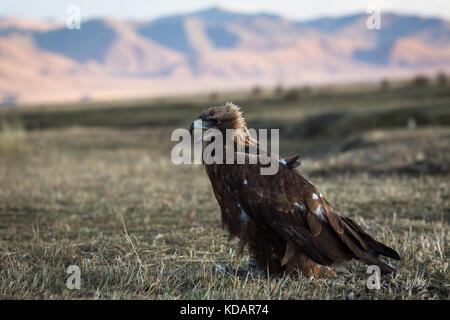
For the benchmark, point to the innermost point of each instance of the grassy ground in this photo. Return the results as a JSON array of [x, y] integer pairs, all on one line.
[[98, 190]]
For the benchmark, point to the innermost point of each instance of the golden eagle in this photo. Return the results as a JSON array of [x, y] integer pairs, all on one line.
[[283, 219]]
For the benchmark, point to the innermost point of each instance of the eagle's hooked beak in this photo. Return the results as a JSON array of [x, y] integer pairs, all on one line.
[[199, 124]]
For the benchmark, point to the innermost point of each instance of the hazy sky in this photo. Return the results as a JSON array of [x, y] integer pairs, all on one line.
[[147, 9]]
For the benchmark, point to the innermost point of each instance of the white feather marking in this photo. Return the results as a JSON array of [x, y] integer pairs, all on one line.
[[314, 196], [283, 162], [244, 215], [319, 212], [300, 206], [245, 181]]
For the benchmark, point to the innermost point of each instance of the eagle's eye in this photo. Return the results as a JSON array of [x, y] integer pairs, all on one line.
[[213, 119]]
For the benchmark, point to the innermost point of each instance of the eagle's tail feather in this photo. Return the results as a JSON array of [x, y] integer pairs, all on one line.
[[380, 248], [384, 267], [369, 254], [375, 247]]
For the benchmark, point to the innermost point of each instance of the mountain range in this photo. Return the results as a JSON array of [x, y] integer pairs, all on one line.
[[213, 49]]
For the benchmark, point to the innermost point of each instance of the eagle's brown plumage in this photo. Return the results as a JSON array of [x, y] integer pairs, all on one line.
[[283, 219]]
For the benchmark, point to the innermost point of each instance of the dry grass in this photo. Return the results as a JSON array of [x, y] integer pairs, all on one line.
[[111, 202], [12, 138]]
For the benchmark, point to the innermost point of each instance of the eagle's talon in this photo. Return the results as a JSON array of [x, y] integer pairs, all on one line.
[[247, 272], [240, 272], [252, 263], [217, 268]]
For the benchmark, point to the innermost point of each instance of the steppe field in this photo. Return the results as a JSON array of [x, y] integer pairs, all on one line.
[[93, 185]]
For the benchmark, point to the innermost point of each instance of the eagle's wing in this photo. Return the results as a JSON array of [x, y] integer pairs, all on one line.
[[294, 208]]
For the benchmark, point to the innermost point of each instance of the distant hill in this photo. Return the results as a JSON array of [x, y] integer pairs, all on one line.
[[212, 49]]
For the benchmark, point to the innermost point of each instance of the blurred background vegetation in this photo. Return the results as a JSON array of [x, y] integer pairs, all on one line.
[[312, 115]]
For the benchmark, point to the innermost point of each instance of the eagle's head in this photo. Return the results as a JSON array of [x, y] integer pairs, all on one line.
[[226, 116]]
